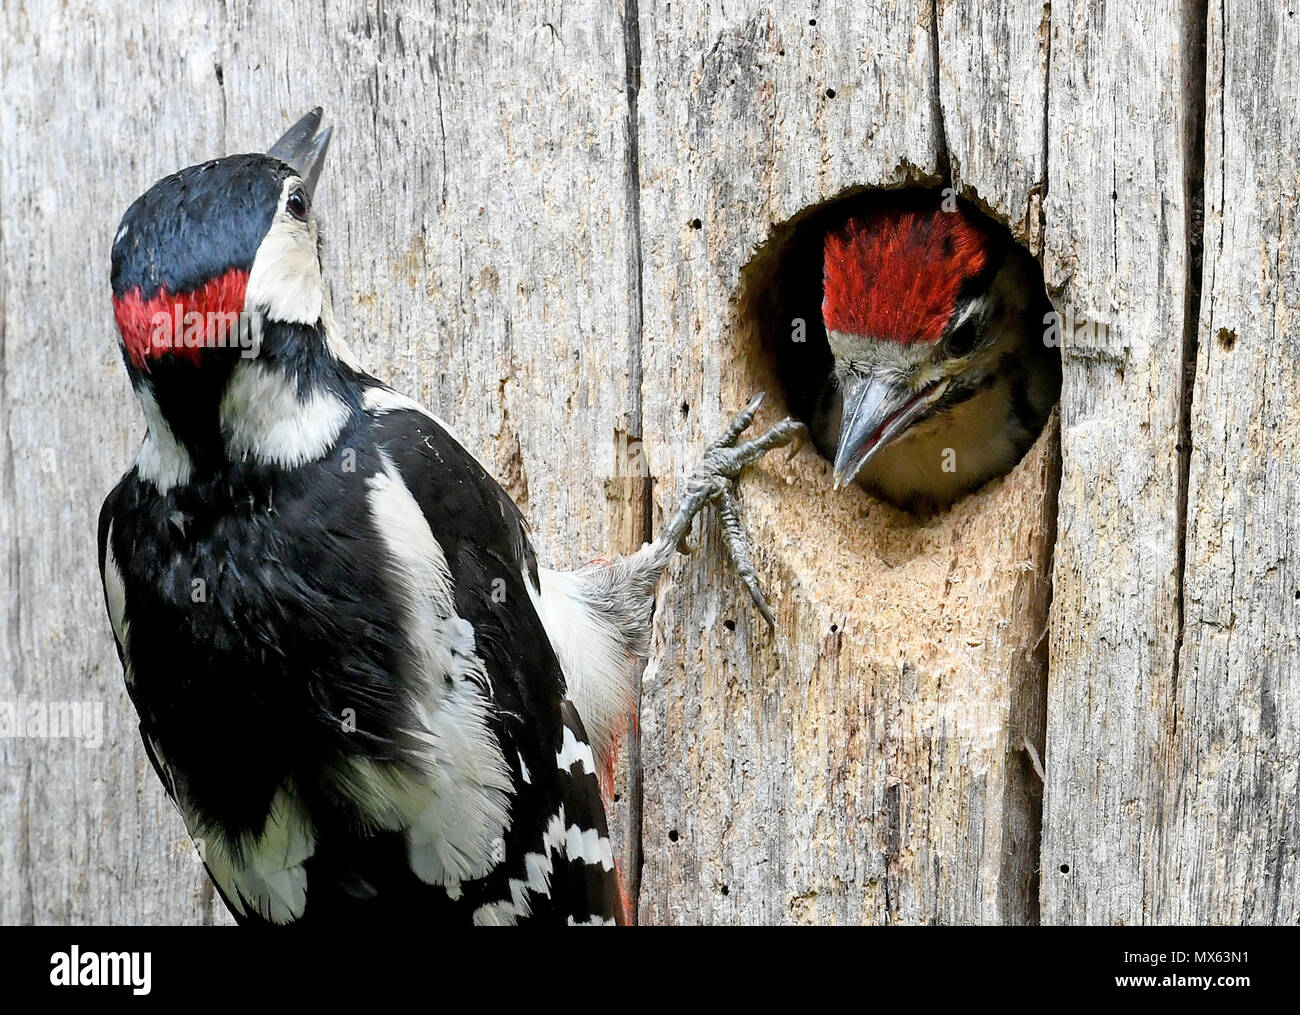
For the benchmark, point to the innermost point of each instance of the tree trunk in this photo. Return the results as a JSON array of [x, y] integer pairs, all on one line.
[[559, 227]]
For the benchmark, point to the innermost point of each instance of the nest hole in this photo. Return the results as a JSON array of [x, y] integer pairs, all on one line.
[[781, 298]]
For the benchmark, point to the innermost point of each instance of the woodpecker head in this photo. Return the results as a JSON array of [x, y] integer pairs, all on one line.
[[228, 239], [224, 321], [927, 314]]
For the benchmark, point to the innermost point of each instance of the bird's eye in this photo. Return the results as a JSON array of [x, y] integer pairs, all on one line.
[[297, 204], [963, 340]]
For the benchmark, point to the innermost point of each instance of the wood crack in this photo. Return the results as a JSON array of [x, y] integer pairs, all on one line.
[[635, 419], [943, 155], [1195, 75]]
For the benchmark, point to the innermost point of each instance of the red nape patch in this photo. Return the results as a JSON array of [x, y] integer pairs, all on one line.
[[181, 324], [896, 274]]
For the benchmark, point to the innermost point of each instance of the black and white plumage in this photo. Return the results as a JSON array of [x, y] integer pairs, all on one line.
[[362, 693]]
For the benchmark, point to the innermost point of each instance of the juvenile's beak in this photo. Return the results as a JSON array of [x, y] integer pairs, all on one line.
[[304, 149], [875, 412]]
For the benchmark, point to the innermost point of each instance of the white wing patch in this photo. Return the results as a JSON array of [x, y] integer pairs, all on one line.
[[115, 592], [495, 914], [593, 652], [452, 799], [589, 846], [572, 751], [115, 601]]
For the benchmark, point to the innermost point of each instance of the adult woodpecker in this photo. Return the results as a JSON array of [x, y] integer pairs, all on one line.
[[362, 693], [941, 376]]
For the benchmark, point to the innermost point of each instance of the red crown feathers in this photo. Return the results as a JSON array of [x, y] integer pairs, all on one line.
[[896, 274]]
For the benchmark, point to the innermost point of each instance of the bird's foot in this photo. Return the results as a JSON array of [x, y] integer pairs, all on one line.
[[712, 482]]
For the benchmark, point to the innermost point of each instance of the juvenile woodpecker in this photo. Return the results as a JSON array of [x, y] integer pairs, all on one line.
[[363, 694], [942, 375]]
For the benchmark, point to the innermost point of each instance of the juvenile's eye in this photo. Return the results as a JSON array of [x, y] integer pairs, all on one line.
[[962, 341], [296, 205]]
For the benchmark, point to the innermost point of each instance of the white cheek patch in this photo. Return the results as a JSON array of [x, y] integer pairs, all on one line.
[[285, 281], [265, 418]]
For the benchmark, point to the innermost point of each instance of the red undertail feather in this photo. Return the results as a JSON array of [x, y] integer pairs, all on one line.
[[896, 274], [161, 324]]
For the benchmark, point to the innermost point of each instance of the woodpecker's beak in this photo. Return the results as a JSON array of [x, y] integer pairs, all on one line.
[[875, 412], [304, 149]]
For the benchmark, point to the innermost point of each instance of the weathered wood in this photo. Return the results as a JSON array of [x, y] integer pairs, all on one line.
[[992, 93], [1230, 839], [1122, 100], [89, 834], [477, 225], [866, 762], [539, 222]]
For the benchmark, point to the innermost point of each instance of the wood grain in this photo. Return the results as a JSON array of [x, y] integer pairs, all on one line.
[[1121, 110], [475, 213], [1231, 834], [867, 761], [557, 225]]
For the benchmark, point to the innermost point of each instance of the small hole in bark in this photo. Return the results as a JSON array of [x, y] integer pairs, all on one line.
[[618, 797], [726, 890], [221, 75], [730, 625], [834, 628], [686, 409], [830, 93], [812, 21], [781, 302], [1227, 339], [1065, 868], [672, 836], [696, 224]]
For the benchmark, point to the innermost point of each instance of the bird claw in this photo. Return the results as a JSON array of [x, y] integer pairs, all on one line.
[[712, 482], [736, 540]]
